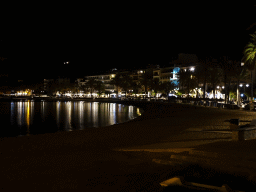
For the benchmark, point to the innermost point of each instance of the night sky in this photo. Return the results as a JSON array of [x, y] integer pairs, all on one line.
[[99, 41]]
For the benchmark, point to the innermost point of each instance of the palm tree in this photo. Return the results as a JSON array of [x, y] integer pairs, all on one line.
[[214, 78], [84, 88], [249, 58], [166, 87], [156, 85], [227, 67], [182, 78], [38, 88], [100, 87], [126, 83], [117, 82], [186, 79], [239, 73], [135, 87], [199, 78], [145, 81], [75, 88], [202, 72], [91, 84], [53, 87]]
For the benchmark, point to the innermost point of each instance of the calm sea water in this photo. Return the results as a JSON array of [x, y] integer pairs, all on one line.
[[31, 118]]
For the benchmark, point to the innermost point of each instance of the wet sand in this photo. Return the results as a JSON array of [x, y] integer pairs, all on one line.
[[87, 160]]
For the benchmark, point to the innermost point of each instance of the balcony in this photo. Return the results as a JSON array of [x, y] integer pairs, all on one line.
[[167, 72], [170, 76]]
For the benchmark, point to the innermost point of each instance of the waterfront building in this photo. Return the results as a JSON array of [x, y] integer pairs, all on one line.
[[104, 78], [168, 73]]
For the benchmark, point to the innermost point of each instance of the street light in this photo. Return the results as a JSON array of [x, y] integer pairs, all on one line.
[[243, 85]]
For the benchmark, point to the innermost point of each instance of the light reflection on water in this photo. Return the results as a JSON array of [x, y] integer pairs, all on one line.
[[27, 117]]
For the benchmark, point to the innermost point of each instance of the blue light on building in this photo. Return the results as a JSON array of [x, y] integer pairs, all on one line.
[[175, 79]]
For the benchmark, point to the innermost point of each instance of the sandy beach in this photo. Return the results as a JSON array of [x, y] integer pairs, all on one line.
[[99, 158]]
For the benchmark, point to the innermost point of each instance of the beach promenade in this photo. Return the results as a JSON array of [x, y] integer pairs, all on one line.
[[146, 150]]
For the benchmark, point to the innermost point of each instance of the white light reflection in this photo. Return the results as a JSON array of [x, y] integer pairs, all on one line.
[[95, 114], [102, 120], [80, 114], [58, 103], [20, 113], [112, 113], [130, 112], [12, 112], [68, 124], [89, 115], [43, 110]]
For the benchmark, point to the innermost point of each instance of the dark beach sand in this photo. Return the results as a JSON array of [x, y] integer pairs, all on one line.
[[85, 160]]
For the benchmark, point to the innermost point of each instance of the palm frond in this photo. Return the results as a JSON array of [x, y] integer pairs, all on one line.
[[253, 37], [250, 53]]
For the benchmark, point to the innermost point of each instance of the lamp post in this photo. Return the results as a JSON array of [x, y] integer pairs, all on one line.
[[244, 85]]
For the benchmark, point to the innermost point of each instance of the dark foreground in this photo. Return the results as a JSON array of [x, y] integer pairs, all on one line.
[[88, 160]]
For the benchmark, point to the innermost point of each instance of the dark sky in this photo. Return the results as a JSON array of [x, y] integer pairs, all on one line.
[[37, 47]]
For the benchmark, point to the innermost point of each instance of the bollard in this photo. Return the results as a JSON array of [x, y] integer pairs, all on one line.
[[234, 123], [238, 135]]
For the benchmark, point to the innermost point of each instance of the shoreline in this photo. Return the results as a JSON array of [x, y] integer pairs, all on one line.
[[56, 161]]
